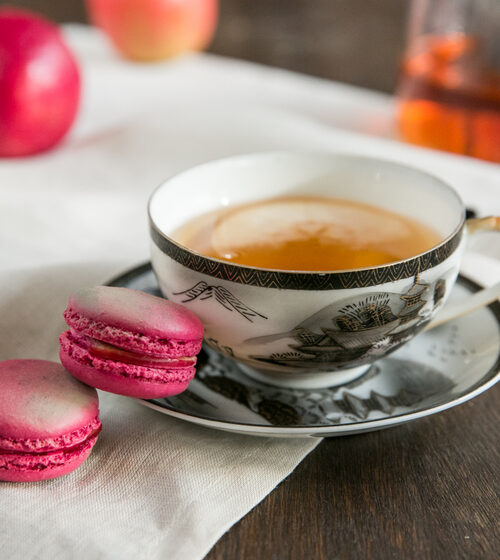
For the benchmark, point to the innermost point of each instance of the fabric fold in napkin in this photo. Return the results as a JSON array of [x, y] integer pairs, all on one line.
[[155, 487]]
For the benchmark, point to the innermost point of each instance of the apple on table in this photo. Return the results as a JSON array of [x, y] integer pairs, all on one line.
[[39, 84], [148, 30]]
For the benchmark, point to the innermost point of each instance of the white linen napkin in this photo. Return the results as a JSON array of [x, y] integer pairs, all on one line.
[[155, 487]]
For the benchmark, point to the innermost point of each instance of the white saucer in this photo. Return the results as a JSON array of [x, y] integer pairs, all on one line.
[[437, 370]]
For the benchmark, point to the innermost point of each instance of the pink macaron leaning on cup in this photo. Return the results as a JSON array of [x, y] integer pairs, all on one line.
[[129, 342], [49, 421]]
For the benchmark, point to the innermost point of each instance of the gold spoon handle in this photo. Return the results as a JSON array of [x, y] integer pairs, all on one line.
[[481, 298], [476, 301]]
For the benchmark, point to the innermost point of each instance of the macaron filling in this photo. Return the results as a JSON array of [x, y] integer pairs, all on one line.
[[133, 341], [37, 461], [78, 348], [106, 351], [109, 352], [49, 444]]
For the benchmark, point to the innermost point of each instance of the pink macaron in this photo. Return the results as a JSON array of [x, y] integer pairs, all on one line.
[[129, 342], [49, 421]]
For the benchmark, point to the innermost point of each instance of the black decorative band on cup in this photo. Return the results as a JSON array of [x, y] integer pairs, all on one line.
[[288, 280]]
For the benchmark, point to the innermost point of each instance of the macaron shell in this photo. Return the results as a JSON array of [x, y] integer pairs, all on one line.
[[32, 468], [49, 444], [40, 400], [124, 379], [136, 312]]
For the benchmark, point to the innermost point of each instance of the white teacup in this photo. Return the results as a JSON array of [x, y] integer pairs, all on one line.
[[307, 329]]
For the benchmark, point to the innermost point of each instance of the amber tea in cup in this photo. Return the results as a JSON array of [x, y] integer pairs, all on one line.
[[306, 233]]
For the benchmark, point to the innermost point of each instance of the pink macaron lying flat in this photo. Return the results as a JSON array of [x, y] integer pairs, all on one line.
[[129, 342], [49, 421]]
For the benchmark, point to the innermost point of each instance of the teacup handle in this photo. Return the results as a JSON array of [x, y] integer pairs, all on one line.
[[481, 298]]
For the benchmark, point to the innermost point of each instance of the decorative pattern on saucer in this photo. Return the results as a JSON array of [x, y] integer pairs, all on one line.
[[434, 371], [294, 407], [304, 281]]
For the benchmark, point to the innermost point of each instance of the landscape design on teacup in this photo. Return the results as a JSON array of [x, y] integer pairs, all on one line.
[[346, 333], [354, 331], [412, 382], [203, 291]]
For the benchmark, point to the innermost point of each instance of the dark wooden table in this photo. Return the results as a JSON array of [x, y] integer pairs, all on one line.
[[425, 490]]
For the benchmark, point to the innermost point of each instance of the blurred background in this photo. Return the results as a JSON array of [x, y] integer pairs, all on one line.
[[355, 41], [445, 71]]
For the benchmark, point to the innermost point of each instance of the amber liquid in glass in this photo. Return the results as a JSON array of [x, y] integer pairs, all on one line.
[[306, 233], [447, 101]]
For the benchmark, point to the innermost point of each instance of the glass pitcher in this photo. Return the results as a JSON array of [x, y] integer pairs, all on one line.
[[449, 85]]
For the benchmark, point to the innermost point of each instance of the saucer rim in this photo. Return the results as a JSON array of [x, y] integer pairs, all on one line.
[[314, 429]]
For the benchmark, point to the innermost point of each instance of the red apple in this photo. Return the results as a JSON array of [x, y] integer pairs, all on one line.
[[155, 29], [39, 84]]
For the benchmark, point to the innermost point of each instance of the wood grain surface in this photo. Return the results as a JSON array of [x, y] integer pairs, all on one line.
[[425, 490]]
